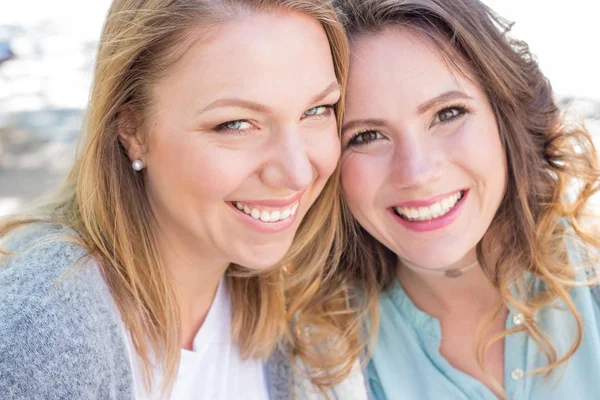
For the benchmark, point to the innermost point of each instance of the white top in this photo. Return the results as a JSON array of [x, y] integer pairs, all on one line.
[[213, 369]]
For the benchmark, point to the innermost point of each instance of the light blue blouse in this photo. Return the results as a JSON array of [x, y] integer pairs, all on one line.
[[407, 364]]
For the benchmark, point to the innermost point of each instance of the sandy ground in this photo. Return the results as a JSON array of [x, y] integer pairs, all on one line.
[[43, 92]]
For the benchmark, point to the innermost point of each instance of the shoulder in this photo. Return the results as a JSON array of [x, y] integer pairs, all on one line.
[[582, 255], [39, 254], [288, 378], [46, 271], [59, 332], [584, 258]]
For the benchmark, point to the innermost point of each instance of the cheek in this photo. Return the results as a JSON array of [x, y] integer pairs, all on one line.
[[494, 161], [478, 148], [325, 153], [192, 168], [498, 173], [359, 181]]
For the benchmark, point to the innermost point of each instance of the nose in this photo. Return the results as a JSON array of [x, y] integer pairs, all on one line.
[[289, 166], [417, 161]]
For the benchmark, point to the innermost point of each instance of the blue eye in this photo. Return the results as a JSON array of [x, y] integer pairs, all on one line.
[[364, 137], [315, 111], [238, 125], [318, 111]]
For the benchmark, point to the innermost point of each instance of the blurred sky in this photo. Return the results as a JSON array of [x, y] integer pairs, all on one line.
[[563, 35]]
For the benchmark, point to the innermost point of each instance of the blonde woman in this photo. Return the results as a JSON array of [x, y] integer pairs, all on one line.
[[210, 139], [468, 195]]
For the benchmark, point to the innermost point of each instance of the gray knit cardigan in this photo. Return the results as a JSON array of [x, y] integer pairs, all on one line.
[[60, 335]]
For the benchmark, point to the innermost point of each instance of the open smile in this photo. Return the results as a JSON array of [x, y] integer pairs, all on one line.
[[430, 215], [436, 210], [267, 214]]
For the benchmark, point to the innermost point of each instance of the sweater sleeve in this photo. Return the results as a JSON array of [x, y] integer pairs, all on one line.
[[58, 336]]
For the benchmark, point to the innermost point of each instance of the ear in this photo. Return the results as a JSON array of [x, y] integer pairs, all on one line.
[[129, 133]]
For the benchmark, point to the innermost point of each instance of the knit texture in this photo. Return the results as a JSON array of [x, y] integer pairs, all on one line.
[[60, 336]]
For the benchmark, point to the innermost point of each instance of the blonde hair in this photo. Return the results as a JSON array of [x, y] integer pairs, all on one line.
[[104, 201], [545, 157]]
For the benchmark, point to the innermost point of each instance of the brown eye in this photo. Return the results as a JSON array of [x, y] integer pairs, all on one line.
[[449, 114], [364, 138]]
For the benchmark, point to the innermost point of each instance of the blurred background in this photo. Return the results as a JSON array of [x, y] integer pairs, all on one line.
[[45, 82]]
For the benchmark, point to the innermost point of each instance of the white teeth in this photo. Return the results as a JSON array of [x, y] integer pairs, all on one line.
[[275, 216], [266, 216], [446, 204], [424, 212], [435, 210]]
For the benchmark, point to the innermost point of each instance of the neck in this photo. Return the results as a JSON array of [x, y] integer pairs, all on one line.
[[461, 288], [195, 279]]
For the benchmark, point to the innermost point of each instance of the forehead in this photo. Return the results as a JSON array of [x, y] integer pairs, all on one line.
[[260, 57], [402, 64]]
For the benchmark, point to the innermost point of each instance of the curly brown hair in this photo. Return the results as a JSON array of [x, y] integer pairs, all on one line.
[[552, 167]]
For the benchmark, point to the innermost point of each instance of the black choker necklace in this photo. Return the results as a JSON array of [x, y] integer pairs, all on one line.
[[448, 273]]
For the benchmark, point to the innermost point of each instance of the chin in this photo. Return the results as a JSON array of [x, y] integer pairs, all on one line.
[[259, 265], [261, 260], [260, 254]]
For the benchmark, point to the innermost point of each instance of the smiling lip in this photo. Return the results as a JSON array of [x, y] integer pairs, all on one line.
[[259, 214], [261, 226], [271, 203], [428, 202], [433, 224]]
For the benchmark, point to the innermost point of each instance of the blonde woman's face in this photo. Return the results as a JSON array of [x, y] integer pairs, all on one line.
[[244, 138], [423, 168]]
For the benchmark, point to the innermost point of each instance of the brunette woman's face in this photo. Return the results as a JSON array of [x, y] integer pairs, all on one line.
[[244, 137], [423, 167]]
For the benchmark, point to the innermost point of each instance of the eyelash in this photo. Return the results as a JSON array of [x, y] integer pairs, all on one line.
[[223, 127], [329, 109], [460, 108], [364, 142], [239, 132]]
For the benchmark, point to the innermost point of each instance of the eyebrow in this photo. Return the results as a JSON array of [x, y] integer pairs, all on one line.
[[422, 108], [442, 98], [251, 105], [333, 86]]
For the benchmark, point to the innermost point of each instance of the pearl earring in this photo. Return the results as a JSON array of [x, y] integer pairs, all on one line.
[[137, 165]]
